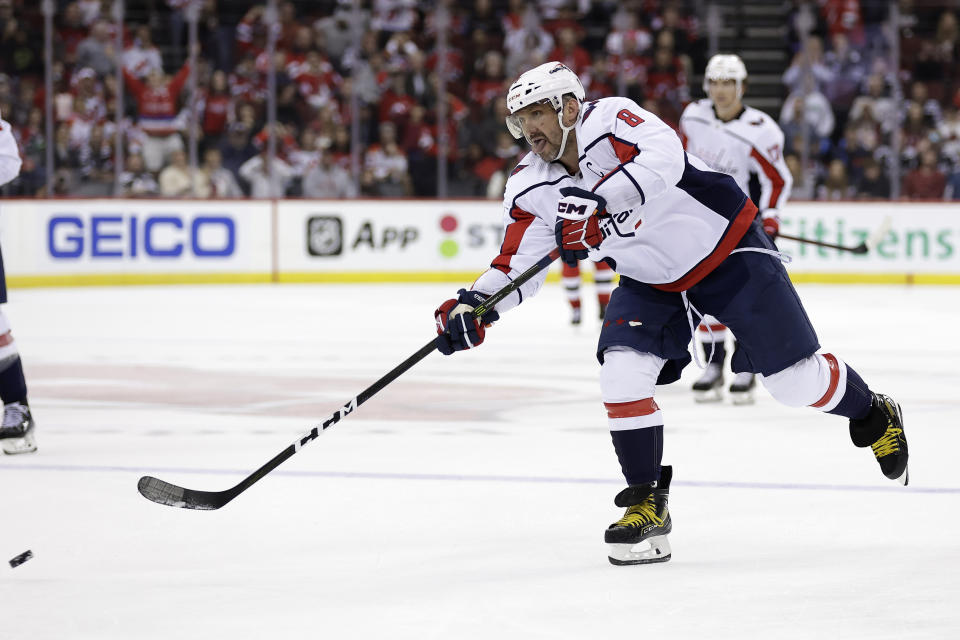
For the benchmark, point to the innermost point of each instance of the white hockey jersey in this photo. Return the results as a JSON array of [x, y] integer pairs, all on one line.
[[9, 154], [672, 219], [751, 143]]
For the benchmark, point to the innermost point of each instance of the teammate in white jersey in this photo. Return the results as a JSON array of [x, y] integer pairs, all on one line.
[[608, 181], [748, 145], [16, 430]]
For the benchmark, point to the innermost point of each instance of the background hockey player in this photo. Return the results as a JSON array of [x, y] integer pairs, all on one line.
[[602, 281], [608, 181], [16, 431], [747, 144]]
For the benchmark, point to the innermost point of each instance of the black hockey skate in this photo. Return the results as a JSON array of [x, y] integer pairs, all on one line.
[[575, 316], [710, 385], [16, 432], [603, 311], [882, 431], [640, 536], [741, 389]]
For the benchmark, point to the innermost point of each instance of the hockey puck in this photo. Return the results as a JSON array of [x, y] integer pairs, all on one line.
[[20, 559]]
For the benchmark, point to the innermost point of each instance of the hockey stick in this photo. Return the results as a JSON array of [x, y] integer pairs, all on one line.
[[163, 492], [860, 248], [863, 247]]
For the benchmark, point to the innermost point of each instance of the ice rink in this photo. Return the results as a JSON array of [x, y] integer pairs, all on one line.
[[468, 499]]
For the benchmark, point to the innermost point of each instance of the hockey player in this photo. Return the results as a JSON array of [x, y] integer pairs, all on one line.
[[747, 144], [608, 181], [602, 280], [16, 430]]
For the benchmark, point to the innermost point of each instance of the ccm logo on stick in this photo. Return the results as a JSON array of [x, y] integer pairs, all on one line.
[[118, 236]]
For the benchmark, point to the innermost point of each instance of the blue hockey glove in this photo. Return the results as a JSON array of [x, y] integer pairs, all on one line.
[[457, 327], [578, 223]]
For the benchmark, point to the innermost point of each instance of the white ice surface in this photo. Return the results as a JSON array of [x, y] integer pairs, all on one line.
[[468, 499]]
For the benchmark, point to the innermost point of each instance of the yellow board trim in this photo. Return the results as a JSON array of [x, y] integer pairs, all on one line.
[[461, 277], [876, 278]]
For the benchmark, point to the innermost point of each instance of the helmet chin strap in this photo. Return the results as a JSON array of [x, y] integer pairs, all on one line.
[[566, 132]]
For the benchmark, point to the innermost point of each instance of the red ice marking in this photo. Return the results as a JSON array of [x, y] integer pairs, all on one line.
[[448, 223]]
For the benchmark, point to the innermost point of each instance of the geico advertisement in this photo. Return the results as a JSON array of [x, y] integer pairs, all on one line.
[[380, 235], [133, 236], [920, 237]]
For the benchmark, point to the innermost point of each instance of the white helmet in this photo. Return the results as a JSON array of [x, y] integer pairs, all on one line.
[[725, 66], [547, 83]]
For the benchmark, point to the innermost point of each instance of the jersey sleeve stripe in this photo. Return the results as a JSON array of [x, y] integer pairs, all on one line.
[[512, 238], [772, 175], [735, 232]]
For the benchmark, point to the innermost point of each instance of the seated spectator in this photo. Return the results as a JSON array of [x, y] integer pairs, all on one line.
[[325, 179], [180, 180], [236, 147], [875, 106], [836, 185], [215, 106], [626, 37], [803, 185], [952, 191], [932, 111], [222, 182], [875, 184], [65, 155], [926, 182], [487, 85], [136, 181], [386, 171], [949, 131], [266, 180], [666, 83], [569, 52], [915, 133], [96, 164], [811, 110]]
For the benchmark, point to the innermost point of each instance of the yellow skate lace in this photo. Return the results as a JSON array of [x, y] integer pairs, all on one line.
[[888, 444], [639, 514]]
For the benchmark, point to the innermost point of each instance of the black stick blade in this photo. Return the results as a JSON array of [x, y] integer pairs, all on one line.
[[162, 492], [860, 248]]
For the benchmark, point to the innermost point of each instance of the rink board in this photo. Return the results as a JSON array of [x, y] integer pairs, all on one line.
[[111, 241]]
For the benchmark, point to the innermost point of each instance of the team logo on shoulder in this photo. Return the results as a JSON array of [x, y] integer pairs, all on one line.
[[590, 107], [757, 123], [518, 169]]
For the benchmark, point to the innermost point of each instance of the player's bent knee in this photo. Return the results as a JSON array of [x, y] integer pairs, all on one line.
[[628, 375], [804, 383]]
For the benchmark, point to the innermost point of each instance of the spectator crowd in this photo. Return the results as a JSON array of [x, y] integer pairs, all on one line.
[[380, 74]]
